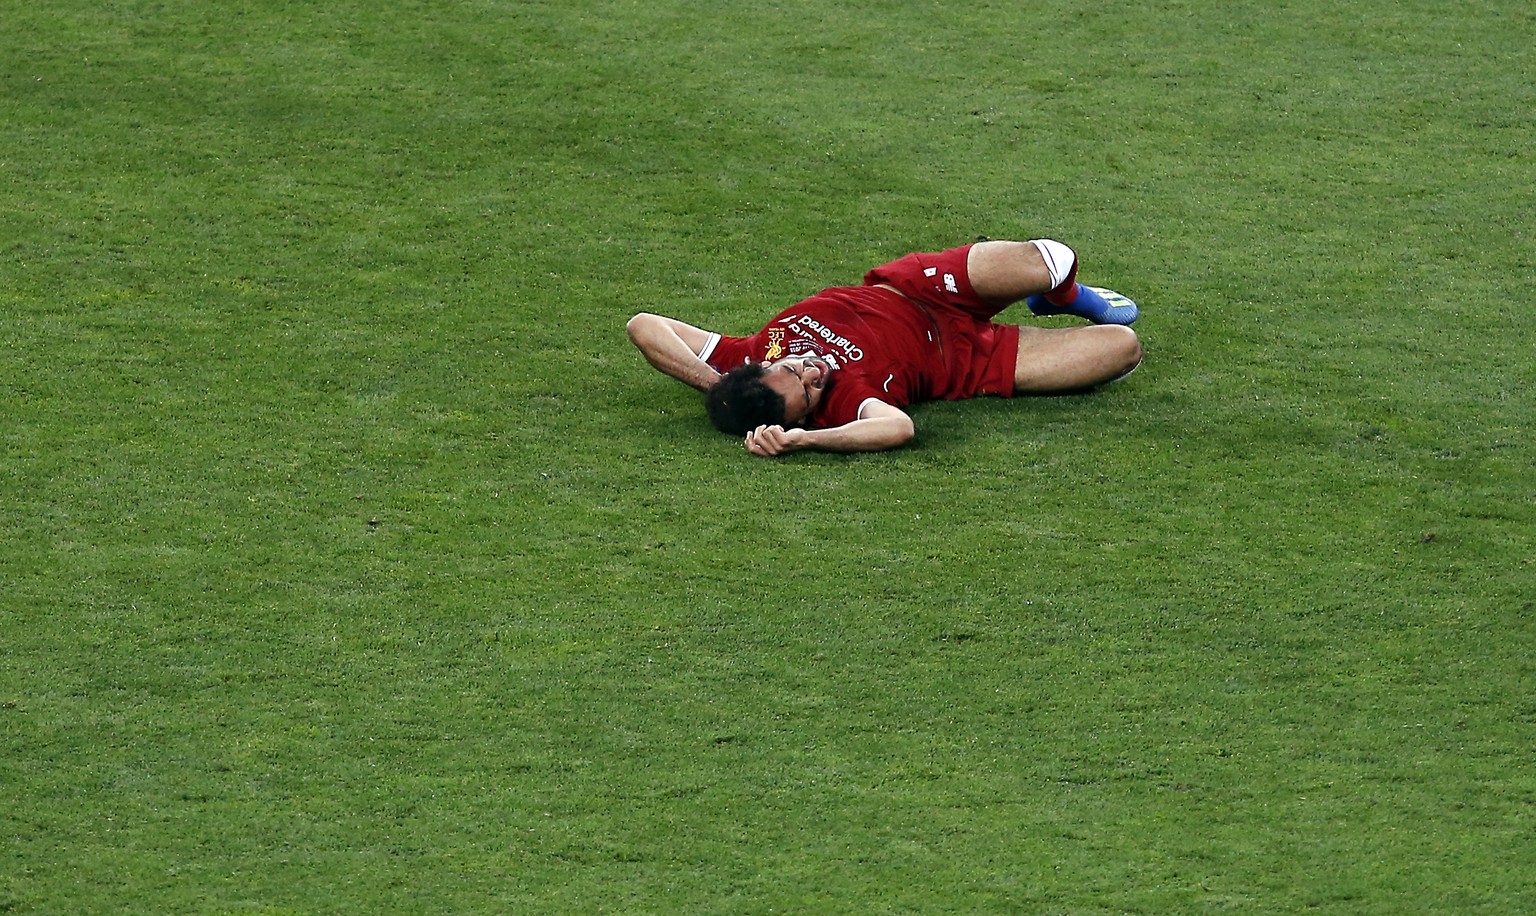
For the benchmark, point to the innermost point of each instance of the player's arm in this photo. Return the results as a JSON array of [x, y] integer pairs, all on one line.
[[673, 346], [879, 426]]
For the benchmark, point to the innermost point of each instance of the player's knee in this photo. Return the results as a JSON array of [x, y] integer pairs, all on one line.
[[1126, 349], [636, 326]]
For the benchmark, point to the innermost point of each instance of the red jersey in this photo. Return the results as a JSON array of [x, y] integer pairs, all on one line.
[[932, 340]]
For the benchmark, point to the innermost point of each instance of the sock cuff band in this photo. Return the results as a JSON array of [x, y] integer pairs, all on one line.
[[1060, 260]]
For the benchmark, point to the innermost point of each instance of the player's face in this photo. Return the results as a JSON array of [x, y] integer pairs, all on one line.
[[802, 380]]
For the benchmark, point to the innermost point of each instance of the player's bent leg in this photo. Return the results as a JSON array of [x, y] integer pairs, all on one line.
[[1006, 272], [1071, 359]]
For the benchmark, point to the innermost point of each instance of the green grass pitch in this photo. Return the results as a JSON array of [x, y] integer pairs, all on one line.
[[353, 562]]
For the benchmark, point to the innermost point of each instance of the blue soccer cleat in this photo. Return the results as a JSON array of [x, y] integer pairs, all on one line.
[[1098, 305]]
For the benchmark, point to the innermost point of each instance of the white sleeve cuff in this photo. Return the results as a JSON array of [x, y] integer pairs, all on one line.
[[865, 403]]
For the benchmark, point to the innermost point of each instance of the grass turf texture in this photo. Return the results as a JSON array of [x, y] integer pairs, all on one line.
[[353, 562]]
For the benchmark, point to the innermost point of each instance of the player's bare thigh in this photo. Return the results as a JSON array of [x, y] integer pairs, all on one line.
[[1070, 359], [1006, 271]]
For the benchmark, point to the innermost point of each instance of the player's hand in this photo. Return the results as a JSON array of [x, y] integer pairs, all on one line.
[[770, 441]]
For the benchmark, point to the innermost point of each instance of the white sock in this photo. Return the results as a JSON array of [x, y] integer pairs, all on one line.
[[1058, 259]]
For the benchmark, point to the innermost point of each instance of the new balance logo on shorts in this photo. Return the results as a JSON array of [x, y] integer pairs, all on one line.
[[949, 279]]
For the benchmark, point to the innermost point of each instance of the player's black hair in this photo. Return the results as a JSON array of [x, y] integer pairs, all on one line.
[[741, 401]]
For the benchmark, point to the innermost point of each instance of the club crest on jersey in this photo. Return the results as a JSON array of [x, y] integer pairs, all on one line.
[[775, 344]]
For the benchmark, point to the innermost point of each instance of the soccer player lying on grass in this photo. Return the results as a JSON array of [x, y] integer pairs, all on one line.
[[835, 371]]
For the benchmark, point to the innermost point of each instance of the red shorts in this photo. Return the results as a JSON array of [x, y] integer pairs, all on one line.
[[980, 353]]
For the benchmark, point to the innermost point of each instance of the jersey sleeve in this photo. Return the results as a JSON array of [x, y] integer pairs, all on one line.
[[844, 403], [724, 353]]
